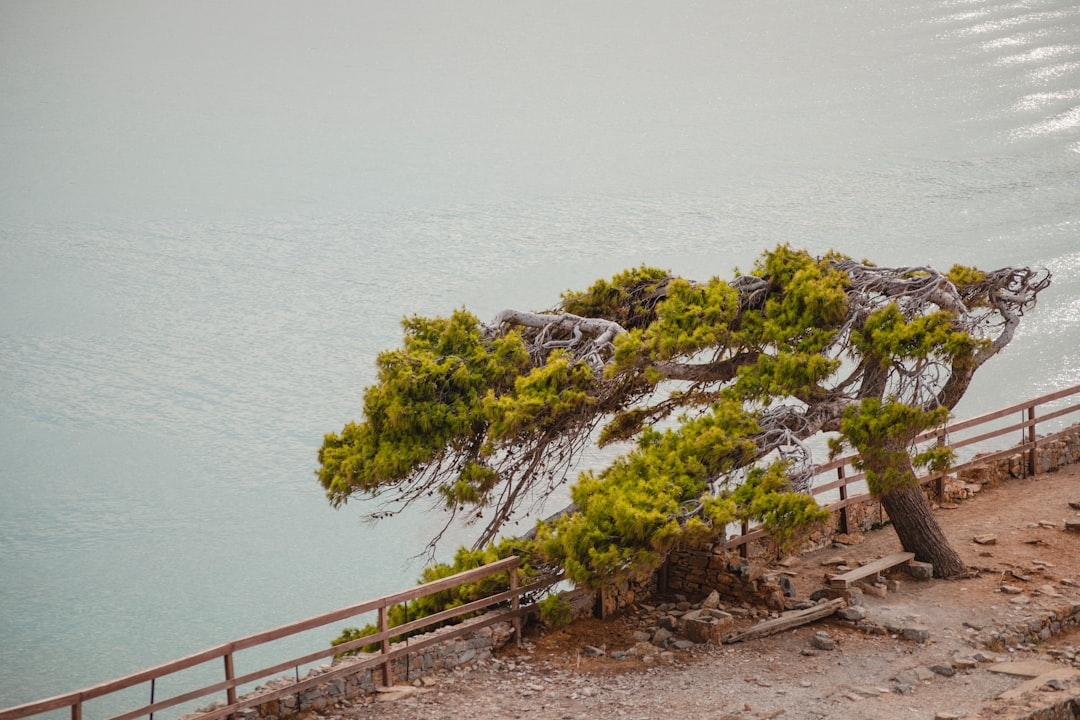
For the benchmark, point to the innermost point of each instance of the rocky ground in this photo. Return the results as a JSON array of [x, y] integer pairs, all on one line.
[[939, 649]]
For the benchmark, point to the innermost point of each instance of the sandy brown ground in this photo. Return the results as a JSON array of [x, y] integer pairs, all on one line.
[[783, 675]]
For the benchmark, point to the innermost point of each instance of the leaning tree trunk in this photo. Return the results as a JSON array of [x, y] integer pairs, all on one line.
[[919, 531]]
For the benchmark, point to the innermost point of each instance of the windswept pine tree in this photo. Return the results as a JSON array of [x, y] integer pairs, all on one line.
[[712, 387]]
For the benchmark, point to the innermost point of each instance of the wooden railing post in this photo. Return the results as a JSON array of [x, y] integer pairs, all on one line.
[[744, 549], [1032, 438], [230, 674], [843, 496], [515, 605], [939, 481], [384, 625], [76, 711]]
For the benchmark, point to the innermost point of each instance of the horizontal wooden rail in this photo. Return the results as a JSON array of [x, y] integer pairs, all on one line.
[[1028, 444], [388, 653]]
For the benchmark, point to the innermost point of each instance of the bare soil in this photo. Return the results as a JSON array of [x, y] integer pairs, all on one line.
[[1032, 565]]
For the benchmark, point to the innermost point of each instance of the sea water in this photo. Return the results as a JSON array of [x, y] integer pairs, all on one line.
[[214, 215]]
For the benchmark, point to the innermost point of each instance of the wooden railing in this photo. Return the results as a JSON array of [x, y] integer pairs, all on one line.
[[226, 652], [839, 475]]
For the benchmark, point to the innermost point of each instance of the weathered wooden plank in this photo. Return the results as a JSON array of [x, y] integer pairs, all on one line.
[[1064, 674], [787, 621], [845, 580]]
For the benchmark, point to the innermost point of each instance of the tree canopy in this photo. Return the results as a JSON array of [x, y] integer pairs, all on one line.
[[713, 387]]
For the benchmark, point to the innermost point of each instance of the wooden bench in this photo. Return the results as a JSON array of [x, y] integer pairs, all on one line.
[[845, 580]]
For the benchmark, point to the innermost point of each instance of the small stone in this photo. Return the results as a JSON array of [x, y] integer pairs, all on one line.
[[964, 663], [852, 613], [822, 641], [874, 590], [1074, 504], [924, 673], [985, 539], [1054, 684], [984, 657], [918, 570], [907, 677], [712, 601], [593, 651], [1010, 590], [1071, 526], [947, 716], [943, 670], [661, 637], [915, 634]]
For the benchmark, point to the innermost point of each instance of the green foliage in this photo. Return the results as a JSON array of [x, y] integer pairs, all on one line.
[[786, 516], [963, 275], [882, 433], [807, 299], [628, 298], [431, 399], [465, 559], [555, 611], [888, 334], [542, 399], [692, 318], [660, 496]]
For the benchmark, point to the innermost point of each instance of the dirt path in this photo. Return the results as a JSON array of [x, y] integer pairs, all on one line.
[[871, 670]]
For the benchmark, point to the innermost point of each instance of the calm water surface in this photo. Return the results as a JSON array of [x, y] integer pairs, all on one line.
[[214, 215]]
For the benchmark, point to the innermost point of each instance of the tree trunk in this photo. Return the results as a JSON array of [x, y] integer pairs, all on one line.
[[919, 531]]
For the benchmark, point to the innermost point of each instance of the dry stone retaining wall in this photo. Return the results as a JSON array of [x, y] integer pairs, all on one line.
[[475, 646]]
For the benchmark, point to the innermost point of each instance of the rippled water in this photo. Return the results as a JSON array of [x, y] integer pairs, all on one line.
[[213, 217]]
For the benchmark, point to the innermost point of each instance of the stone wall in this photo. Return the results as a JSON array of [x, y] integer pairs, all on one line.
[[1048, 458], [474, 646], [696, 572]]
